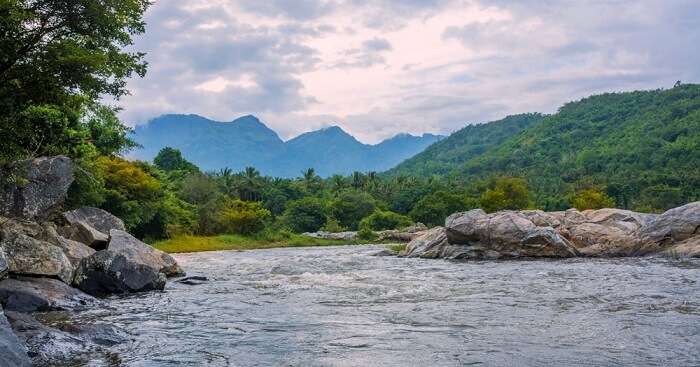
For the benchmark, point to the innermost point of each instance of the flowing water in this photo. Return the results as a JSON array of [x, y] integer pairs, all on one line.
[[339, 306]]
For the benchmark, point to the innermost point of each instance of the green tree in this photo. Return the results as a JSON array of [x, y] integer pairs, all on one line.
[[170, 159], [57, 59], [506, 193], [351, 206], [305, 215], [242, 217], [591, 199], [433, 208], [382, 220]]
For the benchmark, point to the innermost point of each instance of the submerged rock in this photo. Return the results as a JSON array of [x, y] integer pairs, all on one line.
[[138, 252], [12, 351], [108, 272], [40, 187], [42, 294]]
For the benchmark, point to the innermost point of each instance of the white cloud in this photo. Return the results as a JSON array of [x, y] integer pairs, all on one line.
[[379, 67]]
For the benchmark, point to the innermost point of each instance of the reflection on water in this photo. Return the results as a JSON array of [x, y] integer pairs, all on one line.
[[338, 306]]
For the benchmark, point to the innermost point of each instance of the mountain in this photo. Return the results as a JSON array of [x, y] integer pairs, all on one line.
[[642, 148], [246, 141]]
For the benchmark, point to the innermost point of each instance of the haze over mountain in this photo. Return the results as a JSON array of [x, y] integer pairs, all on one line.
[[246, 141]]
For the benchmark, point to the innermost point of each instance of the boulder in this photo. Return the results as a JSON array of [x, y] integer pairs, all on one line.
[[74, 250], [96, 218], [427, 244], [12, 350], [671, 227], [504, 234], [599, 240], [107, 272], [138, 252], [40, 187], [82, 232], [42, 294], [686, 248], [29, 256]]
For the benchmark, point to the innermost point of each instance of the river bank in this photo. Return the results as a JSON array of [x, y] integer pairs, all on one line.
[[186, 244]]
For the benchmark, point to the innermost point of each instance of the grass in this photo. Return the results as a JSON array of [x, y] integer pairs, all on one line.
[[397, 248], [187, 243]]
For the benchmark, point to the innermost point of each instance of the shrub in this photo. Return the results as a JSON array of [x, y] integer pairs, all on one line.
[[381, 220], [242, 217], [332, 225], [366, 234], [305, 215], [592, 199]]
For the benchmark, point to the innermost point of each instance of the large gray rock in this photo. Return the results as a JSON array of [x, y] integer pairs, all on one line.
[[671, 227], [508, 234], [25, 294], [427, 245], [138, 252], [29, 256], [86, 234], [13, 353], [108, 272], [40, 187], [686, 248], [98, 219]]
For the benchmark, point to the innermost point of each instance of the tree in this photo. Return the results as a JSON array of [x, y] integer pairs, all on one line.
[[382, 220], [58, 58], [170, 159], [305, 215], [242, 217], [249, 186], [433, 208], [198, 188], [506, 193], [351, 206], [591, 199]]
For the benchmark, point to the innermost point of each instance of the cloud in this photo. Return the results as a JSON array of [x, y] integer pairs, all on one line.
[[380, 67]]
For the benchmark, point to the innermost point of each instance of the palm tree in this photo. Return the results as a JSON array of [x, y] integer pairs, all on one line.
[[358, 180], [249, 184], [337, 183], [311, 181]]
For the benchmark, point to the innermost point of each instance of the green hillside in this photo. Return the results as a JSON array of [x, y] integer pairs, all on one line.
[[442, 157], [642, 148]]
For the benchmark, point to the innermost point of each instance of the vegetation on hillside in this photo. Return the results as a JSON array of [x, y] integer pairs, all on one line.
[[641, 149]]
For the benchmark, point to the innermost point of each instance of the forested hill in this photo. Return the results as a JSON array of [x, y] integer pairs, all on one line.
[[246, 141], [444, 156], [642, 148]]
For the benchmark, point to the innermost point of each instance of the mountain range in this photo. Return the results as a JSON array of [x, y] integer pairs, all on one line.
[[247, 141]]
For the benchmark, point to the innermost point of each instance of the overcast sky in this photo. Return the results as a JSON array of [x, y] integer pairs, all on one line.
[[377, 68]]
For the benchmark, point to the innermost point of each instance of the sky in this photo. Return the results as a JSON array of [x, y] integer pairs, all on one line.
[[378, 68]]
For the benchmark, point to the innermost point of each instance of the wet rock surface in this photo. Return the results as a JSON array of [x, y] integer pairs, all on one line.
[[13, 353], [138, 252], [42, 294], [108, 272]]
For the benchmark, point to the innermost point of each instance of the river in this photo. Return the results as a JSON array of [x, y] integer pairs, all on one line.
[[339, 306]]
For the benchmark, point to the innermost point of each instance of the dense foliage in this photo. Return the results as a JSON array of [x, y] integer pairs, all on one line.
[[642, 149], [57, 58]]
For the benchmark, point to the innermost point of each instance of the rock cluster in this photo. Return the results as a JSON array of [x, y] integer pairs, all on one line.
[[534, 233], [52, 261]]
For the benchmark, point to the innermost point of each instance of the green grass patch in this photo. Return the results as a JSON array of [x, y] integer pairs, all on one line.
[[239, 242], [397, 248]]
